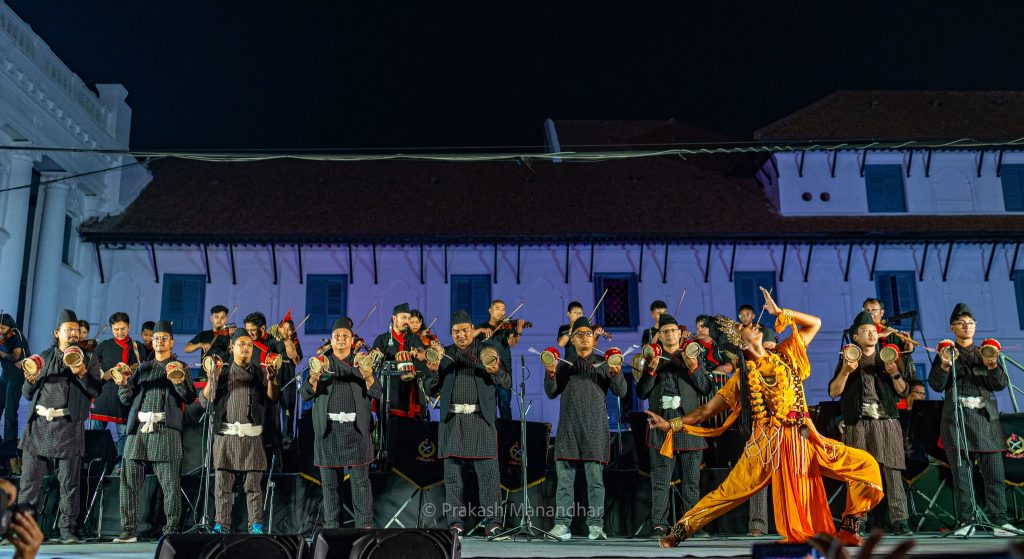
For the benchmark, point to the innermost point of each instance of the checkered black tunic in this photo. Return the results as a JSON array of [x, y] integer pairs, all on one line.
[[466, 435], [231, 452], [164, 443], [583, 412], [61, 438], [984, 431], [343, 445]]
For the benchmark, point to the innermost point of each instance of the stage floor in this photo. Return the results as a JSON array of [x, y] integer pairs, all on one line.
[[580, 547]]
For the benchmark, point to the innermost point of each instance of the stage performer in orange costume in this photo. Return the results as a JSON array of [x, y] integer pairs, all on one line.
[[784, 449]]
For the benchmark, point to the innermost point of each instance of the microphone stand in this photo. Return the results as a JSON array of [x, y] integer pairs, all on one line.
[[526, 527], [204, 526]]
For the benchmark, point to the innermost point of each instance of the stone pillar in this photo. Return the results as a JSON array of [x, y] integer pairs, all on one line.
[[14, 213], [46, 278]]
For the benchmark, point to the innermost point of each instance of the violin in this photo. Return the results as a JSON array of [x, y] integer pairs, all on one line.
[[604, 333], [427, 337], [227, 330], [511, 325], [88, 345]]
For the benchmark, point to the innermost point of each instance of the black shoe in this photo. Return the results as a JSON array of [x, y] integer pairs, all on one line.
[[659, 531], [458, 529], [901, 528], [492, 530], [68, 538]]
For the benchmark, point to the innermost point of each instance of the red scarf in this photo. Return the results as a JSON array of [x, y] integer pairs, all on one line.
[[263, 347], [414, 408], [711, 355], [125, 345]]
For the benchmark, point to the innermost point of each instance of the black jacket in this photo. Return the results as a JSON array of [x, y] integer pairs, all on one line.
[[83, 390], [852, 399], [443, 380], [177, 396], [342, 377]]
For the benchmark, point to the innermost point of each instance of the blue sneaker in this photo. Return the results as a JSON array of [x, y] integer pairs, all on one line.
[[218, 529], [256, 529]]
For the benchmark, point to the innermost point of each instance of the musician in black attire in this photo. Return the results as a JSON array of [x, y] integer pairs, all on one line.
[[402, 347], [978, 378], [262, 345], [55, 431], [13, 348], [673, 385], [343, 426], [467, 435], [146, 351], [574, 312], [502, 340], [650, 335], [886, 336], [217, 340], [108, 408]]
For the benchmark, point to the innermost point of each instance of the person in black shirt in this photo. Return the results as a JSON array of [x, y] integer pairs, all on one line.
[[574, 312], [217, 340], [107, 407], [147, 340], [502, 340], [403, 347], [650, 335], [13, 348]]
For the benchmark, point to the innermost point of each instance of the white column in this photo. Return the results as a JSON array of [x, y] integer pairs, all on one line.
[[15, 219], [46, 279]]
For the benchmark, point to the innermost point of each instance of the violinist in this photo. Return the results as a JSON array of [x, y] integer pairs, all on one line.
[[13, 348], [147, 340], [574, 312], [887, 335], [217, 340], [289, 340], [650, 335], [416, 324], [503, 335]]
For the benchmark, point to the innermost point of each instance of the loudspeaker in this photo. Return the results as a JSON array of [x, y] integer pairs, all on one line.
[[427, 543], [232, 546]]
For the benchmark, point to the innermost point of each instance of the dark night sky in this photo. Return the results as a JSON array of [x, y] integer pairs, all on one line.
[[253, 74]]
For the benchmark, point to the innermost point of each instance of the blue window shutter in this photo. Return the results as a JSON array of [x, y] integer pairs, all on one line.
[[1018, 284], [1012, 177], [884, 185], [183, 301], [898, 293], [326, 301], [471, 293], [620, 309]]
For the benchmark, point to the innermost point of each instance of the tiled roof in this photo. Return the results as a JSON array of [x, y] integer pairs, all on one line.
[[903, 115], [654, 199]]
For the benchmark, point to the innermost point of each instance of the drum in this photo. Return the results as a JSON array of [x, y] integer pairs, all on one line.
[[550, 356], [120, 372], [889, 353], [32, 365], [638, 365], [317, 364], [651, 352], [212, 364], [613, 357], [73, 356], [434, 355], [692, 350], [272, 360], [990, 348], [947, 350], [489, 356], [852, 353], [406, 370], [176, 371]]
